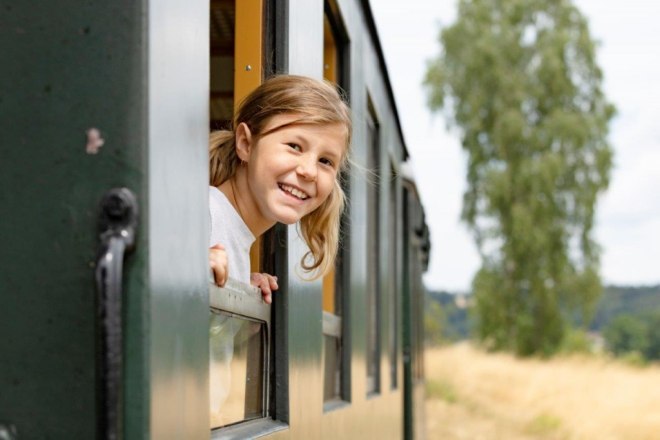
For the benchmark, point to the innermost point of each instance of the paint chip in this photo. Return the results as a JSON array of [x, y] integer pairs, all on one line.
[[94, 141]]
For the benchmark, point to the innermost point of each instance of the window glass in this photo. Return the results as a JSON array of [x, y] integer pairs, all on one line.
[[222, 23], [373, 257], [334, 355], [331, 380], [236, 367]]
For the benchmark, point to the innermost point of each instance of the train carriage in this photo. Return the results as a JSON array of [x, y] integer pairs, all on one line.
[[112, 328]]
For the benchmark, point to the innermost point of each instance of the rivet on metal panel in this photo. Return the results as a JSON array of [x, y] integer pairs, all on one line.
[[248, 68]]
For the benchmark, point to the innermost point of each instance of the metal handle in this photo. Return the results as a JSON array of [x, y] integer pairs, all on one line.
[[117, 224]]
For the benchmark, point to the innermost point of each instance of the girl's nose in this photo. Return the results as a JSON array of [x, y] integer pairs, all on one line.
[[307, 168]]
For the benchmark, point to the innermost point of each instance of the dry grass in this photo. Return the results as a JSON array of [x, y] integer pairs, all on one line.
[[474, 395]]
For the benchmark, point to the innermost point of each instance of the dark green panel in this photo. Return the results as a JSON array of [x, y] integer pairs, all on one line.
[[66, 67]]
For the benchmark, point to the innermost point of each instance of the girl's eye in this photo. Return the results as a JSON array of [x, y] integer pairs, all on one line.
[[326, 161], [295, 146]]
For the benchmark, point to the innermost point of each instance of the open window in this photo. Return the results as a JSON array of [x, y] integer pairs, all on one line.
[[222, 22], [240, 333]]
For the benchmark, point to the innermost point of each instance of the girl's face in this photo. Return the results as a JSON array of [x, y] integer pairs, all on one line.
[[289, 171]]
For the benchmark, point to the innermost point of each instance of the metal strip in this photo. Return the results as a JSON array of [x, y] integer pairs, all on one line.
[[241, 299]]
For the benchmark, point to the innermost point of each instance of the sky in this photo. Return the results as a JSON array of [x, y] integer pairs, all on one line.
[[628, 213]]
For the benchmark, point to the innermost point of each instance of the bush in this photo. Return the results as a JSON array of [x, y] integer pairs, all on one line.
[[626, 333], [576, 341]]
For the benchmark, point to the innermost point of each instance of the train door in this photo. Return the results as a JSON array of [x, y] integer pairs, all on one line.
[[99, 96], [414, 246], [408, 351]]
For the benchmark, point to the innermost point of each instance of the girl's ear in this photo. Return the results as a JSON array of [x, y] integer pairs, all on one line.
[[243, 141]]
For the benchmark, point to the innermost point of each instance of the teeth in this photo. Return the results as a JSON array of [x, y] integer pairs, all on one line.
[[294, 191]]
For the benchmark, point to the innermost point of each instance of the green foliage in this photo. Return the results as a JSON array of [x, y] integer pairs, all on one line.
[[519, 79], [455, 320], [635, 335], [434, 319], [441, 390], [575, 341], [543, 424], [653, 323], [619, 300], [626, 334], [634, 358]]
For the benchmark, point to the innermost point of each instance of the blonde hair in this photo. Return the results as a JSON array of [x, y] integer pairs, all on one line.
[[316, 102]]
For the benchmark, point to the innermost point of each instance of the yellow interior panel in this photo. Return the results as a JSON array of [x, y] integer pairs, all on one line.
[[330, 74], [248, 70]]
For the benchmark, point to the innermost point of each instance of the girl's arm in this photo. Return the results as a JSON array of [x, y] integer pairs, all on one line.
[[266, 282], [218, 263]]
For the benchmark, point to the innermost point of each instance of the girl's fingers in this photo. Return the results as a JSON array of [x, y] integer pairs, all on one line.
[[263, 282], [272, 281], [218, 262]]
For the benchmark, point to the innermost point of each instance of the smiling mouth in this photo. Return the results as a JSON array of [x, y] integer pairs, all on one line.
[[295, 192]]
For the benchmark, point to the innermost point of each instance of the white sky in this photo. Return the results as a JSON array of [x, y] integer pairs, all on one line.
[[628, 214]]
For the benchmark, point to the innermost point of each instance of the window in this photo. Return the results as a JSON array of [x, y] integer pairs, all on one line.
[[222, 22], [239, 354], [239, 320], [335, 348], [373, 255]]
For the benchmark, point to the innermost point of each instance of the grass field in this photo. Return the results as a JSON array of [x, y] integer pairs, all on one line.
[[474, 395]]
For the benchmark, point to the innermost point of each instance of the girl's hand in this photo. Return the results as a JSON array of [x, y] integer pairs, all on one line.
[[266, 282], [218, 262]]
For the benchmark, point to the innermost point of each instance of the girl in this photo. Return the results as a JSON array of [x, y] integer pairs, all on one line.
[[280, 163]]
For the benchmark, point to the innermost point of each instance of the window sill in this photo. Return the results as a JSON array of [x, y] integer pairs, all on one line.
[[334, 405], [251, 429]]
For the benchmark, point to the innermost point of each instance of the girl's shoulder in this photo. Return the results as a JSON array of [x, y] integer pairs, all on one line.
[[217, 197], [223, 213], [214, 191]]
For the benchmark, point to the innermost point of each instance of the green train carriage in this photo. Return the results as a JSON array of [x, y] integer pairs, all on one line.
[[102, 95]]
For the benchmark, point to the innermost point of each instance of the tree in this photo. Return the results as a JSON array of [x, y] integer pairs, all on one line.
[[627, 334], [652, 351], [635, 333], [519, 80]]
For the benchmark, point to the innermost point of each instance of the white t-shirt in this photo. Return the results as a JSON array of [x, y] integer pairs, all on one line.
[[229, 229]]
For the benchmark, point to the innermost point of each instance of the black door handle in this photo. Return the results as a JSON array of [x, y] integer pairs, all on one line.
[[117, 224]]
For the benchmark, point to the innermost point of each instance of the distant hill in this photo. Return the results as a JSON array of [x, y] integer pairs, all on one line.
[[456, 323], [616, 300], [630, 300]]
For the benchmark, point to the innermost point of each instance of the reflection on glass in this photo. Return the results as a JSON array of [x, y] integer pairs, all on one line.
[[331, 381], [236, 369]]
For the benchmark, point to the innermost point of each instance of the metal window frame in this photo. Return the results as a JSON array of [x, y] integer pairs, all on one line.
[[245, 301], [374, 250], [335, 323]]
